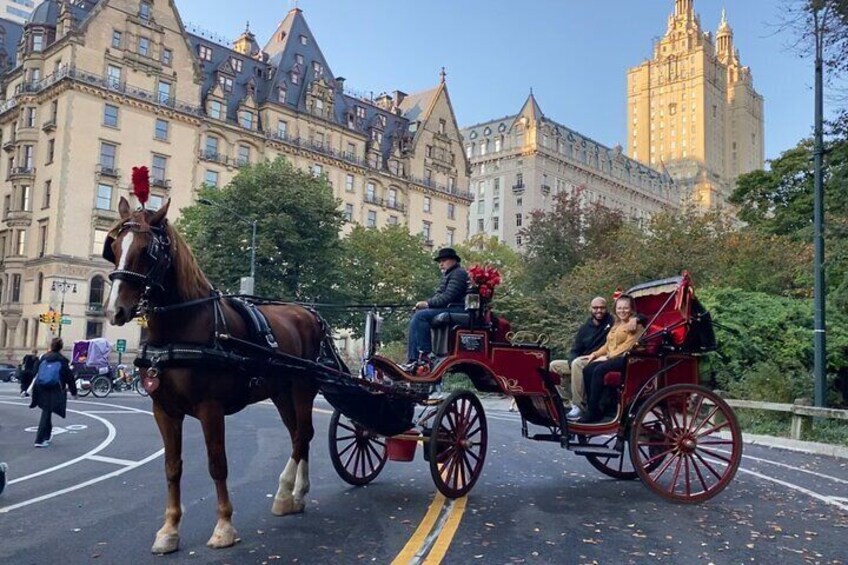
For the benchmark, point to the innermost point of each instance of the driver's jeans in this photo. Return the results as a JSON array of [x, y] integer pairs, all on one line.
[[420, 341]]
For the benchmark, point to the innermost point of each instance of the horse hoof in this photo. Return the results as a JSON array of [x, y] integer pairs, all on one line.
[[223, 537], [166, 543], [285, 506]]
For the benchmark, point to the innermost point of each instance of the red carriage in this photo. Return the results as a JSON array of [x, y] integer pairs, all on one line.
[[681, 439]]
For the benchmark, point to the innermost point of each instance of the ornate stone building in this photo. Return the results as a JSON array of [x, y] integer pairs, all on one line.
[[92, 88], [693, 109], [519, 162]]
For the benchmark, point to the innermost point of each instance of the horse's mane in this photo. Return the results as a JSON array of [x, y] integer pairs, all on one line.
[[191, 282]]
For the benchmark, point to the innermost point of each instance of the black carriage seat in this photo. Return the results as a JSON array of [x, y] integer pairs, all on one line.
[[440, 330]]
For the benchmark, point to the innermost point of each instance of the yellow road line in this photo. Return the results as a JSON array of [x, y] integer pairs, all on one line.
[[417, 540], [442, 543]]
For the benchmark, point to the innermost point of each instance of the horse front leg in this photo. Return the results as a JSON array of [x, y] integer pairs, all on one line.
[[171, 429], [211, 416], [296, 411], [283, 500]]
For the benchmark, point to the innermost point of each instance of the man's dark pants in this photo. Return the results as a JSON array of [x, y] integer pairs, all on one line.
[[45, 426], [419, 331]]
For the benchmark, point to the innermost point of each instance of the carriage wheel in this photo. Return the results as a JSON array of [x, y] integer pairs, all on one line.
[[101, 386], [358, 455], [616, 467], [457, 447], [678, 447]]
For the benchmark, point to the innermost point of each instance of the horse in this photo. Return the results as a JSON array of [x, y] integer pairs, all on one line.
[[157, 275]]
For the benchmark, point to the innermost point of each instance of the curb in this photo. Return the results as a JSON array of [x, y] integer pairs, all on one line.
[[809, 447]]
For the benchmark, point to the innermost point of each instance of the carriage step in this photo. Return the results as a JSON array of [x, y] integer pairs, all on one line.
[[546, 437], [597, 451]]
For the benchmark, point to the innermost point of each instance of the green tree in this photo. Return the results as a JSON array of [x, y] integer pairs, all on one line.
[[297, 244], [385, 266]]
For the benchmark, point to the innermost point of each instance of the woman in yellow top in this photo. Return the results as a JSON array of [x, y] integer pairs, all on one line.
[[611, 356]]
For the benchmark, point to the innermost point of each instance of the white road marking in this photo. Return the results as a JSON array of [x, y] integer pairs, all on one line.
[[113, 460], [799, 469], [832, 500]]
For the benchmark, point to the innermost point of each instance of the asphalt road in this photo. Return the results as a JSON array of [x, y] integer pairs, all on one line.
[[97, 496]]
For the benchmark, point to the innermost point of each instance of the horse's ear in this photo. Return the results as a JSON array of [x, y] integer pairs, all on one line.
[[124, 208], [159, 215]]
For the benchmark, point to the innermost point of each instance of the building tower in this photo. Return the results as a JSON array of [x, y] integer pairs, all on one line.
[[693, 111]]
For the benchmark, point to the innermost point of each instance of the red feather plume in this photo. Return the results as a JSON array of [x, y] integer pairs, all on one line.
[[141, 184]]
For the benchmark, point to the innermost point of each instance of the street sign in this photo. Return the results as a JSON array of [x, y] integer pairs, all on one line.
[[121, 345], [66, 322]]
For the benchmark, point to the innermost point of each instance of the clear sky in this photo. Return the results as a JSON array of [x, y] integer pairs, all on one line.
[[573, 53]]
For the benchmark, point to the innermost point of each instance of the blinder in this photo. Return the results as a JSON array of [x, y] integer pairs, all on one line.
[[158, 251]]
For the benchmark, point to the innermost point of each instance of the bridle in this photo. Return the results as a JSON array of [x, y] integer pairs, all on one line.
[[158, 251]]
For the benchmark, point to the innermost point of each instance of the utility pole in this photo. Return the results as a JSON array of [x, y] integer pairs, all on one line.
[[819, 290], [63, 286]]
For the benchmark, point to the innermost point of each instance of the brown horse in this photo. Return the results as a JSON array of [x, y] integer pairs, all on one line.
[[155, 269]]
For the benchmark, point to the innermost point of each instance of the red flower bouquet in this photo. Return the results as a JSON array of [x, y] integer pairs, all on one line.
[[484, 279]]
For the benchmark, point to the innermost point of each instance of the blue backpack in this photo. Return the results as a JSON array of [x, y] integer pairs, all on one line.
[[49, 373]]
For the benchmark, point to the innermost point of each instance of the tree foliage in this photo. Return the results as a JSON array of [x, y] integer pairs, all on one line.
[[297, 243]]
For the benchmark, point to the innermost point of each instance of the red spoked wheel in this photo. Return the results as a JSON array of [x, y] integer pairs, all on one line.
[[358, 455], [685, 443], [458, 442]]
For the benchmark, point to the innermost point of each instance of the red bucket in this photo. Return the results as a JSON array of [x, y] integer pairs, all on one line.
[[402, 447]]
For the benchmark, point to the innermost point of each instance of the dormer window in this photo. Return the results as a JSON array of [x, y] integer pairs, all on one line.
[[237, 64], [295, 78], [382, 120], [144, 11], [226, 83], [281, 95], [246, 119], [298, 58], [304, 40], [317, 68], [360, 112], [204, 53], [37, 42]]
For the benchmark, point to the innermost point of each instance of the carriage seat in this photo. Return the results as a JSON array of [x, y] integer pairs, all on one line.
[[451, 320]]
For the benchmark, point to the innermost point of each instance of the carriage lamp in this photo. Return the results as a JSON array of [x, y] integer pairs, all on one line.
[[472, 301]]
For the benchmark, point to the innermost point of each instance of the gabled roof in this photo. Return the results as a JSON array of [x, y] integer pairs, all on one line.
[[416, 107], [530, 110]]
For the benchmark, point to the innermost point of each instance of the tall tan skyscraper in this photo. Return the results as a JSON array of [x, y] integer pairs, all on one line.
[[692, 109]]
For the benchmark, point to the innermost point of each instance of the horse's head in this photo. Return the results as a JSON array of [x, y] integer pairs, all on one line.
[[140, 248]]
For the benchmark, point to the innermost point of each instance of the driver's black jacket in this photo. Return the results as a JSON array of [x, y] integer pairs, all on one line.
[[451, 290]]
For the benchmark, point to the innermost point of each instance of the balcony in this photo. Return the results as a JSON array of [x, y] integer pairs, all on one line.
[[107, 216], [95, 310], [371, 199], [518, 187], [242, 162], [22, 173], [546, 189], [161, 183], [18, 218], [49, 125], [395, 205], [108, 171], [213, 156]]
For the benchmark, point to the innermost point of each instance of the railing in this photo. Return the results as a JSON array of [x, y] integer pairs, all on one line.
[[162, 183], [213, 156], [94, 310], [49, 125], [802, 411], [108, 171], [22, 171]]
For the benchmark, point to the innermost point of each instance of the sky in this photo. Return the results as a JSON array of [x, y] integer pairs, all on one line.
[[574, 54]]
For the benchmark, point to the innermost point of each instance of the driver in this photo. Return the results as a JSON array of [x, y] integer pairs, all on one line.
[[449, 297]]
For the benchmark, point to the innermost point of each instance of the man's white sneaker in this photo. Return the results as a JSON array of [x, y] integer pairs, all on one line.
[[42, 444], [574, 413]]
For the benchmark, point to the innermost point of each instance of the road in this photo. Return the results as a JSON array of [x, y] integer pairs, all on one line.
[[97, 495]]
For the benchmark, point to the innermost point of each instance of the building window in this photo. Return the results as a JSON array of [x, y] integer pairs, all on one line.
[[48, 186], [104, 197], [211, 178], [360, 112], [317, 68], [204, 53], [426, 227], [96, 291], [161, 131], [281, 94], [243, 155], [20, 244], [317, 170], [216, 110], [496, 204], [211, 147], [110, 116], [246, 119], [164, 92], [236, 64], [518, 240], [30, 117], [442, 127], [480, 226], [154, 203], [15, 291], [497, 144], [428, 204], [39, 285], [372, 219], [107, 155], [160, 165], [518, 220], [393, 220], [295, 78], [113, 76], [226, 83], [348, 212], [51, 150], [469, 151], [282, 129], [42, 249], [143, 46], [451, 235], [25, 198], [117, 36], [93, 329], [481, 206], [349, 183], [451, 211], [304, 40], [37, 42], [144, 11], [495, 222]]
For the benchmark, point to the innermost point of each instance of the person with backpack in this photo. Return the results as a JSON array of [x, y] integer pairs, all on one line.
[[52, 376]]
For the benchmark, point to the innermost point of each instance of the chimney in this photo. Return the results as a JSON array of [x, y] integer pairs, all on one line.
[[399, 97], [384, 101], [340, 83]]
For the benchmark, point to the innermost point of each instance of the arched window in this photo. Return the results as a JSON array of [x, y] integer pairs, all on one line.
[[39, 287], [95, 292]]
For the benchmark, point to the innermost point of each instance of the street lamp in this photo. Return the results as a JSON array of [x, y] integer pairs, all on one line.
[[63, 286], [247, 286], [819, 288]]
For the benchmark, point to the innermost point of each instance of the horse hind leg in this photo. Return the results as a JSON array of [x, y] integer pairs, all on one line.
[[211, 417], [171, 429]]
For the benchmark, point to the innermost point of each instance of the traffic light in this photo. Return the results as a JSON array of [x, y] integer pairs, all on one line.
[[57, 317], [45, 318]]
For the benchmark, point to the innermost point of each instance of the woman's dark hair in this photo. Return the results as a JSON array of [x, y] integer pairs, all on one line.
[[57, 344]]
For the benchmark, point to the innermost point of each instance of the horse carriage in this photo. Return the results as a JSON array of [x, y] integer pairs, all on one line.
[[681, 439], [90, 364], [210, 355]]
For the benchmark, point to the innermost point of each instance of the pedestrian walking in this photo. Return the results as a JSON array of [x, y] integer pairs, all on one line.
[[28, 365], [3, 469], [53, 377]]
